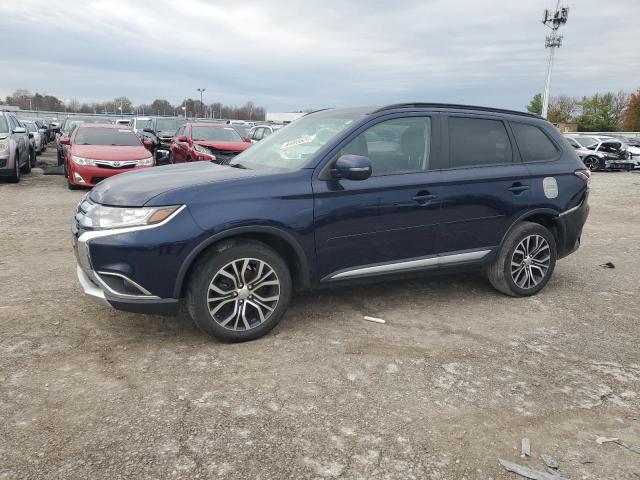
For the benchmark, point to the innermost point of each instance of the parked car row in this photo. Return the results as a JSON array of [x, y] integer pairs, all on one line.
[[600, 152]]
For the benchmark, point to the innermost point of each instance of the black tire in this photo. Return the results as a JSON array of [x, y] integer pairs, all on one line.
[[27, 166], [207, 270], [189, 159], [15, 175], [64, 170], [500, 271], [593, 163]]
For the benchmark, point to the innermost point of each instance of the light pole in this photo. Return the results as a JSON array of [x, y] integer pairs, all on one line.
[[201, 90], [553, 21]]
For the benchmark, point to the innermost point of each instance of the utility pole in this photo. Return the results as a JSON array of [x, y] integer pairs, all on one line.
[[201, 90], [553, 20]]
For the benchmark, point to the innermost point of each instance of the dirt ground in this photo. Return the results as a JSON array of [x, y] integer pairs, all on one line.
[[451, 383]]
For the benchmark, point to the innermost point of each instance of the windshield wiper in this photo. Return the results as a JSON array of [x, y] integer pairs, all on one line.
[[238, 165]]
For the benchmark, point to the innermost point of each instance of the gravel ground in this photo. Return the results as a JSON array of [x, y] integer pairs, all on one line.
[[451, 383]]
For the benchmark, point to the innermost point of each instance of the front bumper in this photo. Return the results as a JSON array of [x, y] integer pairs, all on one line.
[[135, 268], [152, 306]]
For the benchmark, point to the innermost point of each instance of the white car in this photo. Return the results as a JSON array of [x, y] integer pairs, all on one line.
[[600, 152], [138, 123], [38, 139]]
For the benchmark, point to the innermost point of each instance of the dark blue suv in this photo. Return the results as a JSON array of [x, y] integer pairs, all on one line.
[[337, 196]]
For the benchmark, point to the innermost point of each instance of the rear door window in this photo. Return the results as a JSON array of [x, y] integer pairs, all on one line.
[[478, 141], [533, 143]]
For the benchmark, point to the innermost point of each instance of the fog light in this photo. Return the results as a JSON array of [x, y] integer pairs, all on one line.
[[77, 177]]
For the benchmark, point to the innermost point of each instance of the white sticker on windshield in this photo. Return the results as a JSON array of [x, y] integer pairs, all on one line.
[[298, 141], [550, 187]]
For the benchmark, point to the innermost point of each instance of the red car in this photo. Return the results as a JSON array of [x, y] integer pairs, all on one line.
[[206, 141], [96, 152]]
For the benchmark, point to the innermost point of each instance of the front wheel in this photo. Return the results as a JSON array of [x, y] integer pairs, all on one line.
[[239, 291], [525, 261]]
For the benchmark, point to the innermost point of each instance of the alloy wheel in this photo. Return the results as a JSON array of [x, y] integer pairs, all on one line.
[[530, 261], [243, 294]]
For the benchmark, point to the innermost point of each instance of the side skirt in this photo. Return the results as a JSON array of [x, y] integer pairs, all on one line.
[[410, 264]]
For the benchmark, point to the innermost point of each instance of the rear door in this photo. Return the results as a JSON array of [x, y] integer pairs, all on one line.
[[485, 187]]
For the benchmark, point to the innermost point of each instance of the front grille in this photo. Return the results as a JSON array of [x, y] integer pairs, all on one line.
[[223, 157], [115, 167]]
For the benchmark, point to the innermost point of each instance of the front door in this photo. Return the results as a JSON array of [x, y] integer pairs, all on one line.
[[388, 222]]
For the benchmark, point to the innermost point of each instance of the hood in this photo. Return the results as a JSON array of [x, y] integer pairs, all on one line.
[[110, 152], [135, 188], [231, 146]]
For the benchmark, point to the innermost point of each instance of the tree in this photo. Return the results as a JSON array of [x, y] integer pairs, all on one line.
[[535, 105], [161, 107], [562, 109], [122, 105], [600, 113], [631, 114]]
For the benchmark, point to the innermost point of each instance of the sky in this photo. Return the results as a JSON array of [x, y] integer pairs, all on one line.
[[290, 55]]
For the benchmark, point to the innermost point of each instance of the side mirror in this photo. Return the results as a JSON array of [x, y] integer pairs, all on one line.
[[352, 167], [31, 135], [182, 138], [148, 144], [65, 141], [246, 140], [19, 130]]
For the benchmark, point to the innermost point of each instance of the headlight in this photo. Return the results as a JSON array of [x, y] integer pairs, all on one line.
[[201, 149], [101, 217], [4, 144], [82, 160], [145, 162]]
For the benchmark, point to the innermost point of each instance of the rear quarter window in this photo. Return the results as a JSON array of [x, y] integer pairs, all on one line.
[[534, 144]]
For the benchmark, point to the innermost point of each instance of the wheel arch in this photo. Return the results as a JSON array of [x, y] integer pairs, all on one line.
[[546, 217], [281, 241]]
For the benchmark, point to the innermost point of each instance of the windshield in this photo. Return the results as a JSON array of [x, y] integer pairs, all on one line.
[[68, 125], [215, 134], [586, 141], [169, 124], [4, 127], [106, 136], [141, 123], [244, 131], [291, 147]]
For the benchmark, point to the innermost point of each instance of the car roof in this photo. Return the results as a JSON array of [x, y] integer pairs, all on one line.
[[451, 106], [204, 124], [104, 125]]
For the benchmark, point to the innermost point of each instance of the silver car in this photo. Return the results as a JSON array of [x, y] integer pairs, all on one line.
[[15, 148]]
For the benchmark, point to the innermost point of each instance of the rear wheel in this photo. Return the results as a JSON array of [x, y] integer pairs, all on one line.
[[593, 163], [525, 261], [239, 291]]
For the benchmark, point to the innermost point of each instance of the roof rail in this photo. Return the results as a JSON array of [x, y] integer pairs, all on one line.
[[453, 106]]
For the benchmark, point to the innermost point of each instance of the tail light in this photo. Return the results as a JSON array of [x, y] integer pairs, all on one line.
[[584, 175]]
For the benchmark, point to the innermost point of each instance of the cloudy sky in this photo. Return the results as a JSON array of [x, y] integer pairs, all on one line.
[[298, 54]]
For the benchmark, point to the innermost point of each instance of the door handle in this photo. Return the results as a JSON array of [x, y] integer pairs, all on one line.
[[424, 197], [517, 188]]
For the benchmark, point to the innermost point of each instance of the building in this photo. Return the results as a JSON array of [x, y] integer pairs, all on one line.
[[283, 117]]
